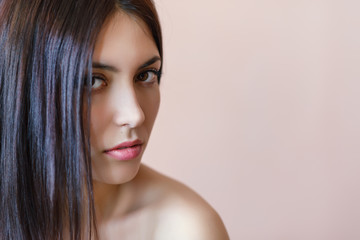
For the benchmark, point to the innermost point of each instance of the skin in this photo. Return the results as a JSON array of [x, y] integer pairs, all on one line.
[[133, 201]]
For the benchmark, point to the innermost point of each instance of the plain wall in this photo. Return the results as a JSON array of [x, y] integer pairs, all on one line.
[[260, 113]]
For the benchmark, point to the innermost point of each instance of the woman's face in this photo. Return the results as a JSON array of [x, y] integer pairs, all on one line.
[[125, 98]]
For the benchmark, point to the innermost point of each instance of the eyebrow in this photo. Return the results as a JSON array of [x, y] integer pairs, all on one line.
[[150, 61], [105, 67], [114, 69]]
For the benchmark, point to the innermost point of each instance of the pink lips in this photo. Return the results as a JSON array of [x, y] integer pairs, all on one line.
[[125, 151]]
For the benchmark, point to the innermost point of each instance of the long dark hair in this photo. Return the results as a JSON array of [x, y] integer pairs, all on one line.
[[46, 51]]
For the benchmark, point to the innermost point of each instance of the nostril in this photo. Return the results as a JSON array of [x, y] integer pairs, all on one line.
[[130, 115]]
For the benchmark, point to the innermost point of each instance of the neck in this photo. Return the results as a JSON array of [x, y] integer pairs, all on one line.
[[112, 200]]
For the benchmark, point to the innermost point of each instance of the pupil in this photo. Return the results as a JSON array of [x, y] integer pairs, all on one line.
[[143, 76]]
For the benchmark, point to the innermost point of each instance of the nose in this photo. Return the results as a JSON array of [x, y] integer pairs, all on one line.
[[127, 108]]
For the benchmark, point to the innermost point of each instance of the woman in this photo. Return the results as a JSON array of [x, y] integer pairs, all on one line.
[[79, 92]]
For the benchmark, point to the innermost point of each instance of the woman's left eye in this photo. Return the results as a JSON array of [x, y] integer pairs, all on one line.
[[148, 76]]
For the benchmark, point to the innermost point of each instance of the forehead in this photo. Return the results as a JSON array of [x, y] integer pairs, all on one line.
[[124, 40]]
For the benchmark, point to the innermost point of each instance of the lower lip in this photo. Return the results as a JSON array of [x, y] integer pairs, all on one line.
[[125, 153]]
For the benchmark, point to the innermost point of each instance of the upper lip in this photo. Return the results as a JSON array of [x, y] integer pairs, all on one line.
[[125, 145]]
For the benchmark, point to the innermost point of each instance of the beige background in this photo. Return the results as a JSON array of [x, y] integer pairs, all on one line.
[[260, 113]]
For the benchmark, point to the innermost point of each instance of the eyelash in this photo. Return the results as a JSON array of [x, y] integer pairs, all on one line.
[[152, 70], [98, 77], [105, 81]]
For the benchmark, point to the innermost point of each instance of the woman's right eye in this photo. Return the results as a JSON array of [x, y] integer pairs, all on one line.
[[98, 82]]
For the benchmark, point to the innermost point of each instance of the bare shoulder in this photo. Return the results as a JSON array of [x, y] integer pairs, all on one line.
[[180, 212]]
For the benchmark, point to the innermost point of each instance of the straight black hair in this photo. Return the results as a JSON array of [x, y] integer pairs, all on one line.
[[46, 49]]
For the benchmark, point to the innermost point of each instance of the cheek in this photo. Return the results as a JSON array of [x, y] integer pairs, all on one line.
[[98, 118], [93, 127], [151, 107]]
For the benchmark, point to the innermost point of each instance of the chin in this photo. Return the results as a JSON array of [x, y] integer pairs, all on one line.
[[120, 173]]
